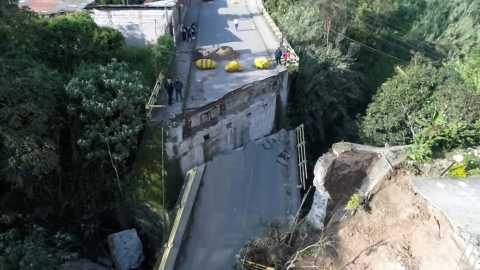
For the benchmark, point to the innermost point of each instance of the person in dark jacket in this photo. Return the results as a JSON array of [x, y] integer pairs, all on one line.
[[169, 88], [194, 30], [278, 56], [178, 85], [183, 29], [189, 34]]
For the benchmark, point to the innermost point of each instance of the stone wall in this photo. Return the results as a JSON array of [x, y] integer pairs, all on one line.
[[141, 26], [241, 116]]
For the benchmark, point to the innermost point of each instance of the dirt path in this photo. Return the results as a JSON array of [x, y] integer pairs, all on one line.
[[403, 232]]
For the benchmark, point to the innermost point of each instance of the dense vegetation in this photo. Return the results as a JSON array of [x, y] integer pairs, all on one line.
[[370, 69], [71, 120]]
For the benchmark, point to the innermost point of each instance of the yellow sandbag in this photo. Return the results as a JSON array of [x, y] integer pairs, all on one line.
[[205, 64], [233, 66], [262, 62]]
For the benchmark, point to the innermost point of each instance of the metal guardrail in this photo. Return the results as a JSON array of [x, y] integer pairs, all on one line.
[[169, 245], [301, 153], [294, 59], [153, 97]]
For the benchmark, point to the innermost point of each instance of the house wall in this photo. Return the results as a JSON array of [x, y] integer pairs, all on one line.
[[241, 116], [140, 27]]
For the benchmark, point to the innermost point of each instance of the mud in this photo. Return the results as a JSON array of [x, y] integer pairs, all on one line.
[[224, 53]]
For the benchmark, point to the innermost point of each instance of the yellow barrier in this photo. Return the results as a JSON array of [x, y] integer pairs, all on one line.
[[169, 244], [153, 97], [205, 64], [294, 59]]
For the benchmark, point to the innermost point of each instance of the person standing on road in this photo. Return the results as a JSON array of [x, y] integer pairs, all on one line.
[[189, 34], [194, 29], [236, 24], [286, 56], [169, 88], [178, 85], [278, 56], [281, 41], [184, 32]]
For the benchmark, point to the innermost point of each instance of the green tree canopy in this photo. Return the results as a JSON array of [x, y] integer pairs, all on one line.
[[109, 100], [28, 95]]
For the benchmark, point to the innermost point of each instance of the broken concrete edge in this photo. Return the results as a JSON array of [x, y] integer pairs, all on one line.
[[318, 212], [461, 236], [172, 247]]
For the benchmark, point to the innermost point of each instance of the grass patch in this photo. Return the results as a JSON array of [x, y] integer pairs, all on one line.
[[142, 205], [187, 92], [139, 59]]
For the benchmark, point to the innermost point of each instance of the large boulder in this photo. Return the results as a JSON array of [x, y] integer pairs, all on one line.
[[126, 249], [83, 264]]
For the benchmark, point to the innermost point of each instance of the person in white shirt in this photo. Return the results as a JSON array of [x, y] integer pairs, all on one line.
[[236, 24]]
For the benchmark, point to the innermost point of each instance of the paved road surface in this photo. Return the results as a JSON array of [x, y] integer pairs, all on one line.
[[240, 192], [457, 198]]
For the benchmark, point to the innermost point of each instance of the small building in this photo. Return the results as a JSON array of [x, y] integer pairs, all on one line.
[[142, 25]]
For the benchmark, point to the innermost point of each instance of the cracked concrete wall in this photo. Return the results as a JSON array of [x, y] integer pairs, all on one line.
[[140, 27], [230, 133], [243, 115]]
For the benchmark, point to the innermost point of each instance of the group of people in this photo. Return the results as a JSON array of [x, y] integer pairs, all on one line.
[[278, 56], [171, 86], [279, 53], [188, 32]]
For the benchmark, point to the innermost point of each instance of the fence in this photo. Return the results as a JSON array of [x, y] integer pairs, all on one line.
[[302, 156], [294, 59], [153, 97]]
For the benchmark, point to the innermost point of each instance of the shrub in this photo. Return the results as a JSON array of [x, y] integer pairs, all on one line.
[[34, 251], [163, 54], [353, 203], [458, 170]]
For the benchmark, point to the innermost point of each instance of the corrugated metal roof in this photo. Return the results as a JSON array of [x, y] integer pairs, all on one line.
[[55, 6]]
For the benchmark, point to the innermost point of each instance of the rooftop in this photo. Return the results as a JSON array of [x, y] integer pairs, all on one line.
[[55, 6]]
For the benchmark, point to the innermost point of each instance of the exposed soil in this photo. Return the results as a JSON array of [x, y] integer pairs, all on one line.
[[401, 232], [220, 54]]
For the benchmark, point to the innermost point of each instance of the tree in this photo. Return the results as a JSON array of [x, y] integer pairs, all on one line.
[[109, 100], [28, 117], [75, 38], [163, 54], [34, 251], [325, 92], [416, 92]]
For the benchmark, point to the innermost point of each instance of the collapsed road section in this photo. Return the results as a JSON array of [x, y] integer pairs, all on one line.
[[239, 193]]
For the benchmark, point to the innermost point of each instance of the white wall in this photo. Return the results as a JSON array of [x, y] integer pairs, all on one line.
[[139, 27]]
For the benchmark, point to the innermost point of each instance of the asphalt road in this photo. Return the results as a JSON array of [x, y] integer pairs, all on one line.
[[240, 193], [253, 39]]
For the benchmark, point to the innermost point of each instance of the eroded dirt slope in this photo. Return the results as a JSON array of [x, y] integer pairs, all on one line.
[[402, 232]]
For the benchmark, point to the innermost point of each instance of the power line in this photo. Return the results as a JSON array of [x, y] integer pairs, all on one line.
[[433, 56], [366, 46], [433, 51]]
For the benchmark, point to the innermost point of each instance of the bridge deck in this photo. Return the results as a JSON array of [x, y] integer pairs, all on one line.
[[254, 38]]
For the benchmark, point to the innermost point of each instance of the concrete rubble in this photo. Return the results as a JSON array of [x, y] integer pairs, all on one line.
[[345, 170], [126, 249]]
